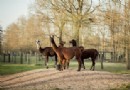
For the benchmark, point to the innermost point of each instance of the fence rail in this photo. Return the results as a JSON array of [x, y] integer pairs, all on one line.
[[37, 58], [23, 58]]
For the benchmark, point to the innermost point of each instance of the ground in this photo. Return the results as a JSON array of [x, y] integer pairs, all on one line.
[[52, 79]]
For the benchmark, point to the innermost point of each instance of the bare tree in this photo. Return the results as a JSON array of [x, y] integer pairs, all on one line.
[[76, 11], [127, 32]]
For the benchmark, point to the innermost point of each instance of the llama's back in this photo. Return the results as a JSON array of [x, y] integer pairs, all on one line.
[[89, 53]]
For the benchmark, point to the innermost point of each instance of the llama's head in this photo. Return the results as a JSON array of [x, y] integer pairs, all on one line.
[[38, 44], [61, 44], [73, 42], [52, 38]]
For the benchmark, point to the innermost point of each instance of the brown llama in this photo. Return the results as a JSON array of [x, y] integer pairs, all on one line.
[[65, 54], [87, 53], [47, 52]]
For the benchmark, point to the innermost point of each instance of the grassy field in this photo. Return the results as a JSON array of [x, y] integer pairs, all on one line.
[[119, 68], [6, 69]]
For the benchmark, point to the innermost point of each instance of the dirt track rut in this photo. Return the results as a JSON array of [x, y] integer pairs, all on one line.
[[51, 79]]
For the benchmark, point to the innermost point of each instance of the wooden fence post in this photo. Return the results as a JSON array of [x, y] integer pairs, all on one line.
[[14, 58], [4, 57], [36, 58], [21, 58], [102, 59], [9, 57]]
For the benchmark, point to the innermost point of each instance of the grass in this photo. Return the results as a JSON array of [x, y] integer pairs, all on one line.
[[6, 69], [118, 68]]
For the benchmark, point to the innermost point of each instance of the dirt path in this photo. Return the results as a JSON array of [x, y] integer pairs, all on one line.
[[51, 79]]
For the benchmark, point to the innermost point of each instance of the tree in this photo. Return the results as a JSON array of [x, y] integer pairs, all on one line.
[[76, 11], [1, 34], [10, 40], [127, 32]]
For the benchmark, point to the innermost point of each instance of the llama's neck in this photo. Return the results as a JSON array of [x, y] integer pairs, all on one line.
[[54, 46], [41, 50], [38, 46], [74, 45]]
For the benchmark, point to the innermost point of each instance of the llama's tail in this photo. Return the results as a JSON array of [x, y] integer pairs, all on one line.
[[96, 54]]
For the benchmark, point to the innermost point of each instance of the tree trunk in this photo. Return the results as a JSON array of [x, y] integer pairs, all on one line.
[[76, 33], [28, 58], [15, 59], [60, 34], [102, 59], [128, 62], [9, 57], [36, 55], [127, 59], [21, 58], [4, 57], [61, 28]]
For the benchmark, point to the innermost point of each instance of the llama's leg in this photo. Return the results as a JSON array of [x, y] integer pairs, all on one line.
[[67, 64], [83, 63], [55, 61], [64, 64], [93, 65], [59, 65], [79, 62], [47, 62]]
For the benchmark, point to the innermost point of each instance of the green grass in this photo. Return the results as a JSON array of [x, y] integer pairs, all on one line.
[[6, 69], [118, 68]]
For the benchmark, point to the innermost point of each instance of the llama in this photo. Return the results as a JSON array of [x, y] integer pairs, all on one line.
[[65, 54], [87, 53], [47, 52]]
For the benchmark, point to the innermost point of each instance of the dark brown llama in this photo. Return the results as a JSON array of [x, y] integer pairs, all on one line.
[[87, 53], [65, 54], [47, 52]]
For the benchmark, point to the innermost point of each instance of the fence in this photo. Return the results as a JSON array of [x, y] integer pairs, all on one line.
[[23, 58], [37, 58]]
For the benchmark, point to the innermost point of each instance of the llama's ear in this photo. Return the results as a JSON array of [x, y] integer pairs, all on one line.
[[37, 40], [52, 36]]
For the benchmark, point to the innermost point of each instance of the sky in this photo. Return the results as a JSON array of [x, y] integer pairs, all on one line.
[[11, 10]]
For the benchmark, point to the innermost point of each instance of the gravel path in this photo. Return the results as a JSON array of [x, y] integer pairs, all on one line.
[[51, 79]]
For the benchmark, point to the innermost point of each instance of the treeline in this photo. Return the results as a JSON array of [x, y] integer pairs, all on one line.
[[103, 25], [21, 36]]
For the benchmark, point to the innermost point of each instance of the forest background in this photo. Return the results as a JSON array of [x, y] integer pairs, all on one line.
[[103, 25]]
